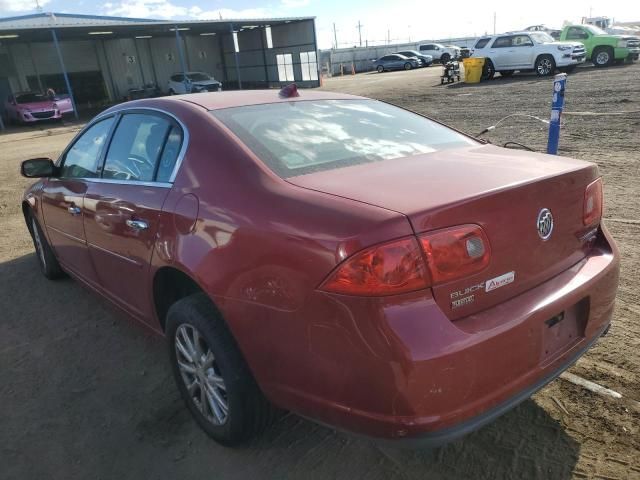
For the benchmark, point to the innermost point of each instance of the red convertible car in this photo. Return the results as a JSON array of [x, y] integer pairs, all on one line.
[[331, 255]]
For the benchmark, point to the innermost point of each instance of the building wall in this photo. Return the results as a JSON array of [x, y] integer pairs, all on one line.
[[258, 64], [117, 65]]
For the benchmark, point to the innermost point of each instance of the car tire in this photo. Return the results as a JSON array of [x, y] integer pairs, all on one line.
[[408, 66], [380, 68], [506, 73], [488, 70], [171, 91], [47, 260], [194, 327], [545, 65], [445, 58], [602, 57]]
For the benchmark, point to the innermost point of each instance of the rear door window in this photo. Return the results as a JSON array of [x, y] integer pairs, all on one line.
[[503, 42], [136, 147], [296, 138], [169, 155]]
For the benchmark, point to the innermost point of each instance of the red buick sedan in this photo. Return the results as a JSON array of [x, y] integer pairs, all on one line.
[[331, 255]]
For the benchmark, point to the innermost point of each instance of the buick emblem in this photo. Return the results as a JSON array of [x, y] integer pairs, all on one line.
[[545, 223]]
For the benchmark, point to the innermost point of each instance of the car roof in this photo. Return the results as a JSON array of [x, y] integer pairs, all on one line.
[[241, 98], [518, 32]]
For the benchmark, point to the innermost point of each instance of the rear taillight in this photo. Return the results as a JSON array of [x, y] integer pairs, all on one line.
[[386, 269], [592, 210], [400, 267], [455, 252]]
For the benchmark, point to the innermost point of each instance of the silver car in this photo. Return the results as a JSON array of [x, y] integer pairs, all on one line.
[[396, 61]]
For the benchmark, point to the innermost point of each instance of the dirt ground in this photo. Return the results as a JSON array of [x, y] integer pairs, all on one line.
[[86, 394]]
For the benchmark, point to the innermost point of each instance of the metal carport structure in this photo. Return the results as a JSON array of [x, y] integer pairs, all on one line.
[[127, 53]]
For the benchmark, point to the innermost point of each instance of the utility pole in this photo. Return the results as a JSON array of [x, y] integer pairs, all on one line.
[[388, 36], [335, 36], [360, 32], [494, 23]]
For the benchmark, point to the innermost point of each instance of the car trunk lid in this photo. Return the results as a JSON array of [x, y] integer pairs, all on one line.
[[499, 189]]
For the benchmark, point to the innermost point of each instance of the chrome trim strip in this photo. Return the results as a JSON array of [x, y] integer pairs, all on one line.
[[185, 133], [117, 255], [65, 234], [127, 182]]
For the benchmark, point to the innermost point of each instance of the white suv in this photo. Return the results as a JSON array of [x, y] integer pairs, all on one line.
[[193, 82], [523, 51], [440, 53]]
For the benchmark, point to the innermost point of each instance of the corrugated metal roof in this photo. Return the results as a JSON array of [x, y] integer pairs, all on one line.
[[61, 20]]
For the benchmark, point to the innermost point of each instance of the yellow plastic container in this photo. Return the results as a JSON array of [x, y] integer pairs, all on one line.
[[473, 69]]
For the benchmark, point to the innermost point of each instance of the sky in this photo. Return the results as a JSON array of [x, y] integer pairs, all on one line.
[[401, 20]]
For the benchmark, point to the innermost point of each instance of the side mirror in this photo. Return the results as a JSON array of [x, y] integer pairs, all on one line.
[[38, 168]]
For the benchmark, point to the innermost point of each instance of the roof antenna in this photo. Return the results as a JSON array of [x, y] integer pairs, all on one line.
[[289, 91]]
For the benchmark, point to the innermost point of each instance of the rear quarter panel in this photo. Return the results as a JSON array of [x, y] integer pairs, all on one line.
[[261, 246]]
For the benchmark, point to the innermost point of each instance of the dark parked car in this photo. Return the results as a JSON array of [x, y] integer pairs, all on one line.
[[396, 62], [425, 60], [330, 255]]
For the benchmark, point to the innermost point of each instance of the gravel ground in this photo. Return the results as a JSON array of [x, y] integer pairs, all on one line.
[[87, 394]]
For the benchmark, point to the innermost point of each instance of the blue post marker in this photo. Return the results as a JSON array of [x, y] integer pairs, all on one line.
[[64, 72], [557, 105]]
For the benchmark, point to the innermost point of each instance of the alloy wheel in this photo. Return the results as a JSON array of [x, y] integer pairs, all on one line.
[[602, 58], [544, 67], [201, 374]]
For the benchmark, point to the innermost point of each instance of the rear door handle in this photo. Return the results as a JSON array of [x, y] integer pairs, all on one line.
[[73, 210], [137, 224]]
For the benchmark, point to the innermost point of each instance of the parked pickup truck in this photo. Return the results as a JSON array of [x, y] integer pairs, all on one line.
[[603, 48], [525, 51]]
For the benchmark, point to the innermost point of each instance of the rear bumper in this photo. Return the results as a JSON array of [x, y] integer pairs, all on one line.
[[404, 372], [440, 437]]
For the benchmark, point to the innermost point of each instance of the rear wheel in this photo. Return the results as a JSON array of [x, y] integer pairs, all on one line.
[[407, 66], [49, 265], [171, 91], [488, 70], [211, 373], [380, 69], [445, 58], [506, 73], [602, 56], [545, 65]]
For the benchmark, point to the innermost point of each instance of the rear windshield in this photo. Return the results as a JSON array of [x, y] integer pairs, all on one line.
[[296, 138]]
